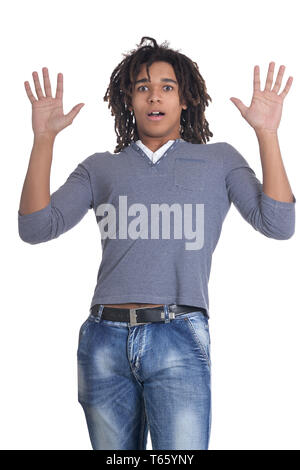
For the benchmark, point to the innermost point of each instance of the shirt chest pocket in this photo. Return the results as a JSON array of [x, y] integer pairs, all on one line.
[[189, 174]]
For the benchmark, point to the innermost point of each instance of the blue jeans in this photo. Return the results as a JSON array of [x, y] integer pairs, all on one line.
[[154, 377]]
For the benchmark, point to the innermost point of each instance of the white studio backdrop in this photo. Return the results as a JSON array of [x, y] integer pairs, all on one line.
[[47, 288]]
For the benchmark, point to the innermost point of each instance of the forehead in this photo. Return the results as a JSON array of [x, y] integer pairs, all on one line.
[[157, 68]]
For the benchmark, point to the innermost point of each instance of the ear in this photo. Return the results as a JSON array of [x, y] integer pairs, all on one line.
[[184, 105], [128, 102]]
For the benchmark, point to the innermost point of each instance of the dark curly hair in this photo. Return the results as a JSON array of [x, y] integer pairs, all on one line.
[[194, 127]]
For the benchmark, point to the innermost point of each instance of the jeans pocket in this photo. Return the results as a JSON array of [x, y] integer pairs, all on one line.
[[83, 336], [199, 328]]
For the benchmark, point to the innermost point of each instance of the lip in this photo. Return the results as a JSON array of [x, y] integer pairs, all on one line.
[[155, 118]]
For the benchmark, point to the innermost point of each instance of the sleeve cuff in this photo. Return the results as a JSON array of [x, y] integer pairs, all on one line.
[[278, 204], [33, 215]]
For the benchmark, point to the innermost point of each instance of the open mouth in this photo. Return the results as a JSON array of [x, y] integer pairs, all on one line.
[[155, 116]]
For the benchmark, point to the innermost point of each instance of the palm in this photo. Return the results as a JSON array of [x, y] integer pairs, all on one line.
[[264, 112], [47, 115], [47, 112]]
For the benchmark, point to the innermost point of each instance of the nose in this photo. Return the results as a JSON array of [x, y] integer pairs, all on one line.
[[153, 99], [154, 96]]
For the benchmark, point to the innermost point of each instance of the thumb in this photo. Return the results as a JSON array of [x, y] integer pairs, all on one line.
[[74, 111], [239, 104]]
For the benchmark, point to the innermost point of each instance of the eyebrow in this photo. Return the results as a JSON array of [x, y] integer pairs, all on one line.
[[143, 80]]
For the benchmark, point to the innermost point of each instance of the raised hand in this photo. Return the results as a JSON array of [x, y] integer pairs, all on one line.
[[264, 112], [47, 112]]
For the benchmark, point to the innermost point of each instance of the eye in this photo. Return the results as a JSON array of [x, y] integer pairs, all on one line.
[[144, 86]]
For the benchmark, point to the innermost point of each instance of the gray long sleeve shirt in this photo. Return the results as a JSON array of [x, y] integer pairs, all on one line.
[[159, 222]]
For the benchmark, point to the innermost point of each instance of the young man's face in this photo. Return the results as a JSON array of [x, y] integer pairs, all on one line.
[[160, 94]]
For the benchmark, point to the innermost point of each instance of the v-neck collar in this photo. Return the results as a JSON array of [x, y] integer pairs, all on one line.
[[150, 163]]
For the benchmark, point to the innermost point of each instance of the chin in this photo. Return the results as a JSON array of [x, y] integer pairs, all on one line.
[[158, 132]]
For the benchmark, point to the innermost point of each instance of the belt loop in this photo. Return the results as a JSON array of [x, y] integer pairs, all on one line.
[[166, 310], [99, 313]]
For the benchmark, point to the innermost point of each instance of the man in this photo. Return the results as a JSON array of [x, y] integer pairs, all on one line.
[[160, 201]]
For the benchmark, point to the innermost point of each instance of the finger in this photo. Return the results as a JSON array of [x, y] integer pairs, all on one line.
[[47, 84], [279, 79], [30, 95], [59, 87], [256, 79], [37, 85], [269, 79], [287, 87], [74, 111], [240, 105]]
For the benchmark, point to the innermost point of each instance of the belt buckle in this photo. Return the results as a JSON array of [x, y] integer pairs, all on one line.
[[133, 314]]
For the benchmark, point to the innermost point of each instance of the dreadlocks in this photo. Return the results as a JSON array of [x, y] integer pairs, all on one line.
[[193, 125]]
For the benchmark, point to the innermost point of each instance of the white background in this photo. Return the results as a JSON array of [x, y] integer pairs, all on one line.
[[47, 288]]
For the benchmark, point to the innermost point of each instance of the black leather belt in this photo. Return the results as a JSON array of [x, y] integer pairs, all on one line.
[[140, 316]]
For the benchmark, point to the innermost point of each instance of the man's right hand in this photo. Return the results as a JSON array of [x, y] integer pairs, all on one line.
[[47, 112]]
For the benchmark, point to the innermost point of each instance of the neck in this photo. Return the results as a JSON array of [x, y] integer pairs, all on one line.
[[155, 143]]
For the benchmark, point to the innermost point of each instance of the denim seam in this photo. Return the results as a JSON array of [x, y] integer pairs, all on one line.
[[91, 336], [130, 365], [194, 333], [147, 419], [141, 440], [141, 345], [82, 329]]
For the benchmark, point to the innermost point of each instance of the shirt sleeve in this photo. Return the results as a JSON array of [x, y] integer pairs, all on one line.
[[67, 206], [274, 219]]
